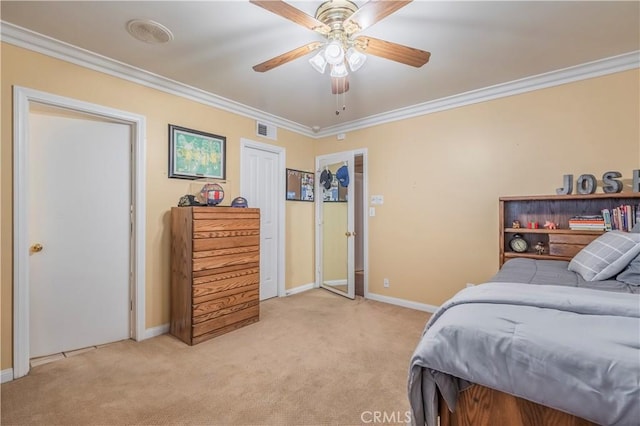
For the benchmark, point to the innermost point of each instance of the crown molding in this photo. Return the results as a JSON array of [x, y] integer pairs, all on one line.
[[585, 71], [36, 42], [27, 39]]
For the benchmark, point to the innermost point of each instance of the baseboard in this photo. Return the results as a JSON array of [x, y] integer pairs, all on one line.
[[300, 289], [6, 375], [155, 331], [402, 302]]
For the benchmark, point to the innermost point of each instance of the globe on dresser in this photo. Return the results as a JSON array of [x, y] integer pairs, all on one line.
[[211, 194]]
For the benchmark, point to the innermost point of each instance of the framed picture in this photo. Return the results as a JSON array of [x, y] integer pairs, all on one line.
[[299, 185], [194, 154]]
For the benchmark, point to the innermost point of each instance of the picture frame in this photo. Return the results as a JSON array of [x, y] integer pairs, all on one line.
[[300, 185], [194, 154]]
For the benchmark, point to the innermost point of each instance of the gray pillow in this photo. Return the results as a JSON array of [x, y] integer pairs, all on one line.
[[631, 274], [606, 256]]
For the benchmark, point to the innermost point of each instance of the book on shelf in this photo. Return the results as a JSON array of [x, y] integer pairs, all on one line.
[[588, 228], [600, 227], [587, 223], [622, 218], [587, 217], [606, 215]]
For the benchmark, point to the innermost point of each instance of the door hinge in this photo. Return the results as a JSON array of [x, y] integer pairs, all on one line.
[[131, 305]]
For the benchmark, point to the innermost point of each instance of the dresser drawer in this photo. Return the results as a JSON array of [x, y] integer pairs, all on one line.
[[237, 257], [222, 285], [250, 313], [228, 239]]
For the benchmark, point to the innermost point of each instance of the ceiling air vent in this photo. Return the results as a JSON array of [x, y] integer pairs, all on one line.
[[149, 31], [266, 130]]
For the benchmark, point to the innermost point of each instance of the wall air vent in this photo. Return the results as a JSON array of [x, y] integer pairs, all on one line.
[[266, 130]]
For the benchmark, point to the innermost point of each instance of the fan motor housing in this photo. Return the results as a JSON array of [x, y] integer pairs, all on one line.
[[334, 12]]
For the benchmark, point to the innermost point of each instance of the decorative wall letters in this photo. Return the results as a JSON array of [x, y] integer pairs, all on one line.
[[610, 184], [587, 183]]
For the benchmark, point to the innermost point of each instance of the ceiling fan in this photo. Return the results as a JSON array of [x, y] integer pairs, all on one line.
[[339, 21]]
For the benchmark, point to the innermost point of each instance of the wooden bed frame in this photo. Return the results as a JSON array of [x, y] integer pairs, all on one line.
[[482, 406]]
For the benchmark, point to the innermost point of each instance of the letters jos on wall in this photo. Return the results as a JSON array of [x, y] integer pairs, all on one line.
[[587, 183]]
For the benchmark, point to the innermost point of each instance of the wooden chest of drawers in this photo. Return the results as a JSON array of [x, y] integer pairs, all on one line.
[[215, 271]]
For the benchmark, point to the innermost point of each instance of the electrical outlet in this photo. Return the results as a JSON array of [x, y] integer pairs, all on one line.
[[386, 282]]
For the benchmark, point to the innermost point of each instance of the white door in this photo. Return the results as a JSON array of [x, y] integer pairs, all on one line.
[[335, 232], [79, 203], [261, 188]]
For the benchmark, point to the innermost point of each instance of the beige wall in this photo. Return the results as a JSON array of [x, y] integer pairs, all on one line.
[[29, 69], [441, 176]]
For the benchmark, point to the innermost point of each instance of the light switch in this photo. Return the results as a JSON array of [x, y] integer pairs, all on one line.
[[372, 211]]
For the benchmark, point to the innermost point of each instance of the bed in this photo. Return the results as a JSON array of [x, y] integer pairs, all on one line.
[[537, 344]]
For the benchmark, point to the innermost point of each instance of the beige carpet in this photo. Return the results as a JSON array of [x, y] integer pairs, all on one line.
[[314, 358]]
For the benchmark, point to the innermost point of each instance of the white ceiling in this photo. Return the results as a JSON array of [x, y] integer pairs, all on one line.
[[473, 45]]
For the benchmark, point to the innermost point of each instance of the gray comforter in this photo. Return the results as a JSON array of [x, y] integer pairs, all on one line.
[[573, 349], [553, 272]]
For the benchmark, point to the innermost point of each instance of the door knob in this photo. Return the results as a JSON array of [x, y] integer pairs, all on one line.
[[36, 248], [348, 234], [354, 233]]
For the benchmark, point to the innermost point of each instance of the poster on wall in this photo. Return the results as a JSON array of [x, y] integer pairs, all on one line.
[[194, 154]]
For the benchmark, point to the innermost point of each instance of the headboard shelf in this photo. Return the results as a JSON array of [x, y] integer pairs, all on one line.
[[533, 211]]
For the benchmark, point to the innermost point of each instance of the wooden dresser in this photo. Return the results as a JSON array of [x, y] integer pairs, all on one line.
[[215, 271]]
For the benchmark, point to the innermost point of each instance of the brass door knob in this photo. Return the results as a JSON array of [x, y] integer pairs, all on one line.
[[36, 248], [348, 234]]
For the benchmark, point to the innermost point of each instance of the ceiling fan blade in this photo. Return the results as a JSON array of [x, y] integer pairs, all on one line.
[[287, 57], [293, 14], [339, 85], [370, 13], [393, 51]]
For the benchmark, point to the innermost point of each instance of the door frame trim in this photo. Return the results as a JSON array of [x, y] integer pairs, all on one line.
[[282, 162], [22, 99], [365, 217]]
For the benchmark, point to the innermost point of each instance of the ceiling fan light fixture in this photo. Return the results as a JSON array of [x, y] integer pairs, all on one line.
[[318, 63], [355, 59], [333, 53], [339, 70]]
